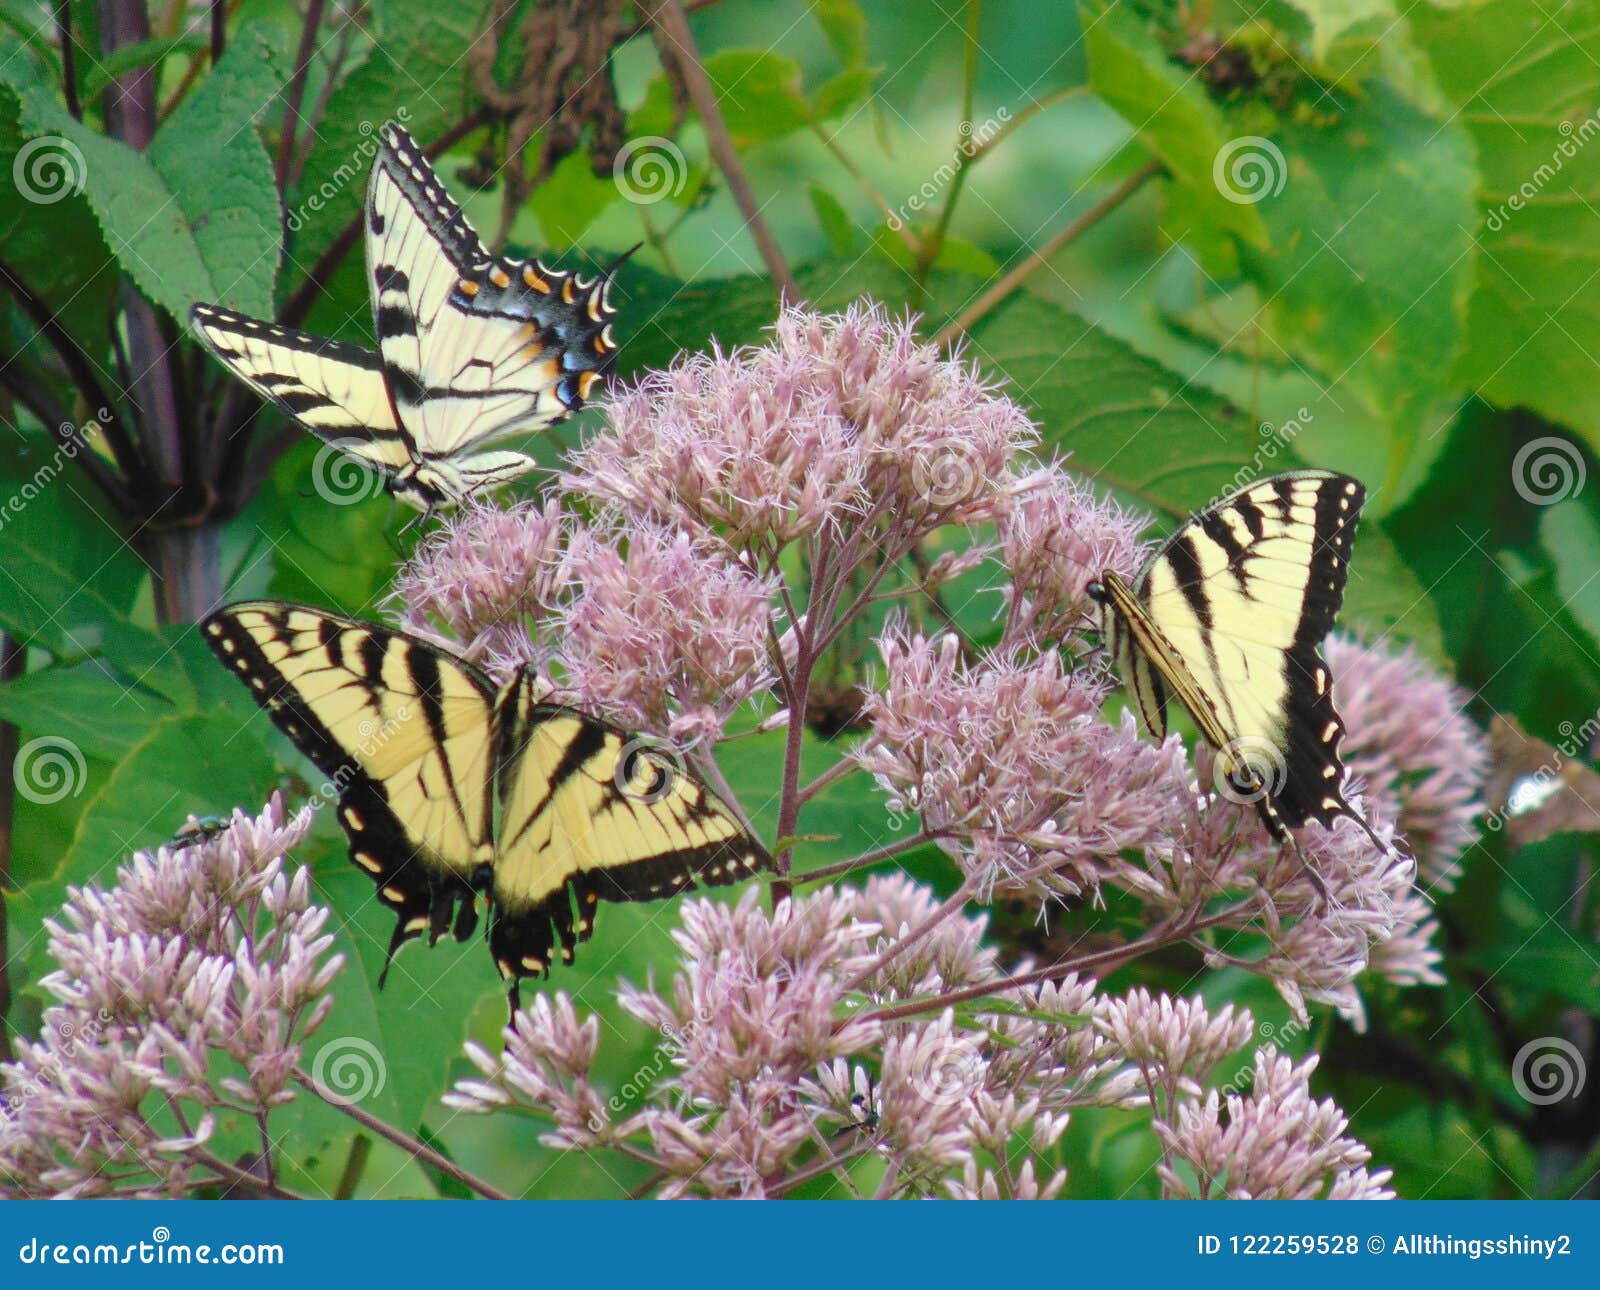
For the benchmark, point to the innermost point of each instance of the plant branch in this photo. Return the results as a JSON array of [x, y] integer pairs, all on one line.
[[242, 1178], [933, 244], [297, 91], [677, 42], [1173, 930], [892, 218], [81, 369], [868, 858], [69, 63], [986, 146], [419, 1150], [985, 303]]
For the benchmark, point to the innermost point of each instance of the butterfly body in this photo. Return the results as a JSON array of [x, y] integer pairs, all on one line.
[[1228, 617], [451, 789], [471, 348]]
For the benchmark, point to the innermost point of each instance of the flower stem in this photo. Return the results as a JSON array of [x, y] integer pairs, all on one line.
[[866, 859], [1001, 290], [417, 1149], [677, 42], [934, 242]]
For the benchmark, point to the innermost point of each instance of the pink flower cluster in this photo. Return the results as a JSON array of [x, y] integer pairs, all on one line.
[[185, 991]]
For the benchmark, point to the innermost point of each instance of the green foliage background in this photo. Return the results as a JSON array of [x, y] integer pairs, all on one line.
[[1417, 327]]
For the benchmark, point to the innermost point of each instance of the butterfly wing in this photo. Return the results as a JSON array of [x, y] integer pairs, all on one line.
[[1243, 595], [473, 348], [335, 391], [403, 733], [588, 814]]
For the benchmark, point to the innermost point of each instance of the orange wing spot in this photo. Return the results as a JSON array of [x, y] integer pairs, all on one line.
[[594, 306], [534, 280], [568, 292], [586, 381], [499, 277], [467, 287]]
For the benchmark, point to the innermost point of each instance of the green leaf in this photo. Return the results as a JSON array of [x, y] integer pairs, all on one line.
[[67, 572], [192, 763], [1167, 105], [1331, 19], [1521, 77], [845, 26], [842, 91], [1570, 535], [1370, 258], [220, 175], [760, 94], [55, 245], [82, 704], [843, 237]]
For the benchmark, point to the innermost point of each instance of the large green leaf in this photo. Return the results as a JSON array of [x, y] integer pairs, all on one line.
[[1169, 108], [54, 244], [1370, 257], [139, 215], [220, 175], [1521, 75]]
